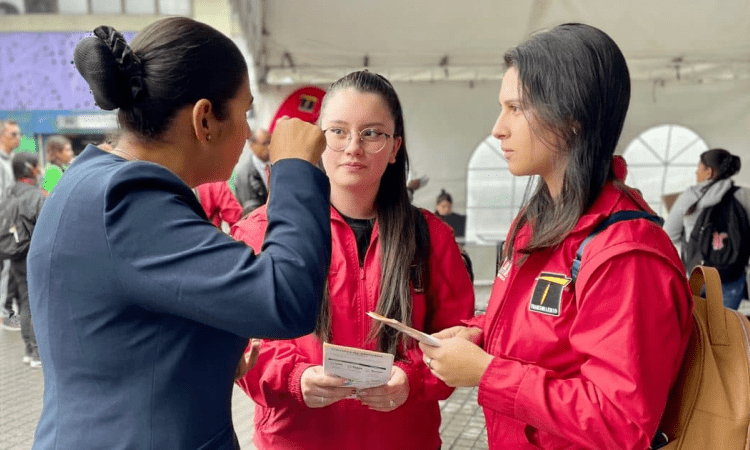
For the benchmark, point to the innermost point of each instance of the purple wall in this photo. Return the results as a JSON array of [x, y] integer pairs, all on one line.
[[37, 72]]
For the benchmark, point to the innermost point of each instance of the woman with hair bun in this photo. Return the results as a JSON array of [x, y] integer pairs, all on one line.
[[142, 309], [713, 175]]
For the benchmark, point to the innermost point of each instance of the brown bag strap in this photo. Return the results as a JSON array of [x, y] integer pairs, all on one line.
[[717, 321]]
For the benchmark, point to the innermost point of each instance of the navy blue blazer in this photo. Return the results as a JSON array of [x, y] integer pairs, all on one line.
[[142, 307]]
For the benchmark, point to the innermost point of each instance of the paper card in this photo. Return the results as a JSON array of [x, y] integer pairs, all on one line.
[[364, 368], [416, 334]]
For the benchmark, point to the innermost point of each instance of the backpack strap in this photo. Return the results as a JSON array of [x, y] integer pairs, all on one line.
[[419, 270], [614, 218]]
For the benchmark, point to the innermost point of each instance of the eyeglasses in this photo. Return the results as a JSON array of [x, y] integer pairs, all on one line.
[[372, 140]]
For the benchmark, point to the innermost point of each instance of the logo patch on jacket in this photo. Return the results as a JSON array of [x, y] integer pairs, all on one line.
[[548, 293], [504, 270]]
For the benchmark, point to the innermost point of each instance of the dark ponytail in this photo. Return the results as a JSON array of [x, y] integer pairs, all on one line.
[[723, 164], [172, 63]]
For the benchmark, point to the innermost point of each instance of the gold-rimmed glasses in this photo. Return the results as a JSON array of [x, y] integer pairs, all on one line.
[[372, 140]]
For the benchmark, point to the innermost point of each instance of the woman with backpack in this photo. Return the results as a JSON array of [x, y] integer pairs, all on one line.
[[713, 178], [388, 257], [568, 356]]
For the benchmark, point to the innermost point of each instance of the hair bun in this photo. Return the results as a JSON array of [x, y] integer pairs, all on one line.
[[111, 69]]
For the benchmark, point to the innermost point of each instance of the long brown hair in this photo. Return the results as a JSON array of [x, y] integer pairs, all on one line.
[[397, 222], [574, 83]]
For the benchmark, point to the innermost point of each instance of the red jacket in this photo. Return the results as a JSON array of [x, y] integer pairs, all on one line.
[[586, 365], [219, 203], [283, 421]]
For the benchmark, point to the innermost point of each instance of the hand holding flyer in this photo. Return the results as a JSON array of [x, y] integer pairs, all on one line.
[[416, 334], [363, 368]]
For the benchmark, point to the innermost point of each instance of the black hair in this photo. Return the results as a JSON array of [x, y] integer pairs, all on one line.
[[723, 164], [444, 196], [173, 63], [397, 222], [23, 164], [574, 83]]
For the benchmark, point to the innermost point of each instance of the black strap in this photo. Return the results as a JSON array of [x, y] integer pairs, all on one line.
[[614, 218], [419, 268]]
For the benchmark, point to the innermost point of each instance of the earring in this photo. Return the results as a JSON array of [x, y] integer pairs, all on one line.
[[208, 137]]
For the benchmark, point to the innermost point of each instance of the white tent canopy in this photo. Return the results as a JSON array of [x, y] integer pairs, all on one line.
[[318, 41]]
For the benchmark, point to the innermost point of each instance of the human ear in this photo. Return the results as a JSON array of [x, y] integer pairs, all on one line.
[[396, 147], [203, 120]]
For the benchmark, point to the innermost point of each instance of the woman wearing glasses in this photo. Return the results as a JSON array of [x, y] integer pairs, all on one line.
[[387, 257]]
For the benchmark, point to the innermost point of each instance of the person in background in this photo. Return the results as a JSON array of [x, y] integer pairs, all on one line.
[[59, 156], [219, 203], [27, 172], [142, 310], [563, 363], [251, 181], [388, 257], [457, 222], [713, 177], [444, 210], [10, 139]]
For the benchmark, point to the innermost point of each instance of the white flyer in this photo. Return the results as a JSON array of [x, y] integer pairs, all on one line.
[[364, 368], [416, 334]]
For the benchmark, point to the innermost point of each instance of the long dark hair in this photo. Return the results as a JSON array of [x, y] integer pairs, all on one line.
[[397, 221], [574, 82], [173, 63], [723, 164]]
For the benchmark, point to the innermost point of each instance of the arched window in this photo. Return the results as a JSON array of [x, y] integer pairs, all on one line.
[[662, 161], [493, 194]]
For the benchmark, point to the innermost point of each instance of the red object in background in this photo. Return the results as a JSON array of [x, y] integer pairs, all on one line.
[[219, 203], [304, 104]]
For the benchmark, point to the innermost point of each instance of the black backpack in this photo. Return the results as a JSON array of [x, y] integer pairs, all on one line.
[[15, 231], [720, 238]]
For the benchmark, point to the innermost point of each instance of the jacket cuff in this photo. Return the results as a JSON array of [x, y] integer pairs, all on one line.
[[414, 375], [499, 385], [295, 381]]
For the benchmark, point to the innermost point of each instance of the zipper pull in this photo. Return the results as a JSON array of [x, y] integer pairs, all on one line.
[[14, 230]]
